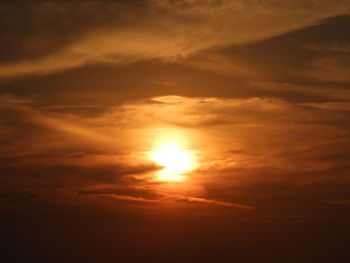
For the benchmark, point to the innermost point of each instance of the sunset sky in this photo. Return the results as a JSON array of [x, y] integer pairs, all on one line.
[[175, 131]]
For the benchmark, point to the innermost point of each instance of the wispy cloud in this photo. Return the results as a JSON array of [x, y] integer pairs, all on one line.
[[121, 197], [208, 201], [154, 30], [164, 199]]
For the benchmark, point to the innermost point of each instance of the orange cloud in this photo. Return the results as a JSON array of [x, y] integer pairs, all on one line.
[[166, 30], [208, 201], [123, 198]]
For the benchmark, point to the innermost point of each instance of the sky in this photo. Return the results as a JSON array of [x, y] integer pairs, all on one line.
[[251, 97]]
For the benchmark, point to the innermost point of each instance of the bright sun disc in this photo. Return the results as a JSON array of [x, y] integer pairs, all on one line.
[[175, 160]]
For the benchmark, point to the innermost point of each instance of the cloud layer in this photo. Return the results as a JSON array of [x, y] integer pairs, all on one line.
[[256, 91], [248, 149], [38, 42]]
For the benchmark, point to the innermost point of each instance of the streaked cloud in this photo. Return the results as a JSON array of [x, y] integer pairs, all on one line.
[[152, 30], [207, 201]]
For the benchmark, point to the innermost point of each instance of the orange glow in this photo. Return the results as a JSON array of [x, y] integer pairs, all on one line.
[[176, 162]]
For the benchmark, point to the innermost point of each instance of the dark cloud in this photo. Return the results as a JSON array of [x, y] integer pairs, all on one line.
[[287, 58], [38, 28], [12, 198], [311, 63]]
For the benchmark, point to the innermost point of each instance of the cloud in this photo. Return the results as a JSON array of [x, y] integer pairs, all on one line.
[[208, 201], [121, 197], [165, 199], [164, 83], [332, 69], [310, 63], [341, 106], [8, 199], [121, 32], [334, 202], [241, 145], [257, 91], [251, 122], [253, 138]]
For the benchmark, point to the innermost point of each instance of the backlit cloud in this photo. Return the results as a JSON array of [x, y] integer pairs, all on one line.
[[239, 143]]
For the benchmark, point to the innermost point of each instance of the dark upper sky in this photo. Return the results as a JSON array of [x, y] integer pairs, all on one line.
[[256, 92]]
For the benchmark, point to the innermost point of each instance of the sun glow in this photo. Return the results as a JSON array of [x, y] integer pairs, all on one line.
[[176, 161]]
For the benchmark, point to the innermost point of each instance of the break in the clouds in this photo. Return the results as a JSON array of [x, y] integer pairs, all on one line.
[[41, 37]]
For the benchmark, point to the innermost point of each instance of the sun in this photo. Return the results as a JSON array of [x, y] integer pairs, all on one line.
[[176, 162], [174, 159]]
